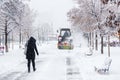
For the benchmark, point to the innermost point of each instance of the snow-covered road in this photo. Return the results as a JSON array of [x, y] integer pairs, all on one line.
[[50, 64], [55, 64]]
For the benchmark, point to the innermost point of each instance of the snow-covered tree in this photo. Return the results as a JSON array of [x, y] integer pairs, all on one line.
[[26, 23], [86, 17], [12, 13], [45, 30], [102, 16], [82, 16], [27, 20], [111, 21], [9, 13]]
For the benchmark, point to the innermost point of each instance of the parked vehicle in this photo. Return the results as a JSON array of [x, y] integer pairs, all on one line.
[[65, 40]]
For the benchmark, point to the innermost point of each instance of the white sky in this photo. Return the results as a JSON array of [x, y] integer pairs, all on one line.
[[52, 11]]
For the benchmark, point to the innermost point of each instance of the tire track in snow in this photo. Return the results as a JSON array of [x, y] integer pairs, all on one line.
[[73, 71]]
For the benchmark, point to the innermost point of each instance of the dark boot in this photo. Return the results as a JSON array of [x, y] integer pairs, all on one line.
[[33, 64], [28, 65], [28, 70], [34, 69]]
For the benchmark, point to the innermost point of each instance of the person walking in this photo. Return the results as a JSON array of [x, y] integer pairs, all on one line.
[[30, 53]]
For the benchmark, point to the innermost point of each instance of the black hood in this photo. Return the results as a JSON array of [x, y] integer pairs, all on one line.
[[32, 39]]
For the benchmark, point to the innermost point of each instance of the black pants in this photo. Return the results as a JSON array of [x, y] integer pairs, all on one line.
[[33, 64]]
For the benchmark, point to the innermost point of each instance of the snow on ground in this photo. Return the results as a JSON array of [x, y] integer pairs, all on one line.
[[54, 64], [96, 59]]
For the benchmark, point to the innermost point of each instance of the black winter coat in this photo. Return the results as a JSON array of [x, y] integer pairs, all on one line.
[[31, 48]]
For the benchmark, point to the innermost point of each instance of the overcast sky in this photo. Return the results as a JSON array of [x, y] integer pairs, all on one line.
[[52, 11]]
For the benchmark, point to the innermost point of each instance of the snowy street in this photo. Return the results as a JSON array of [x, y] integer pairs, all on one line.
[[50, 64], [55, 64]]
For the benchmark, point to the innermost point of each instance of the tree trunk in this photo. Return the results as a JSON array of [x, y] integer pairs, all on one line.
[[96, 41], [101, 44], [20, 39], [108, 46], [6, 36], [119, 39], [12, 41], [38, 36], [92, 40], [89, 40], [119, 35]]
